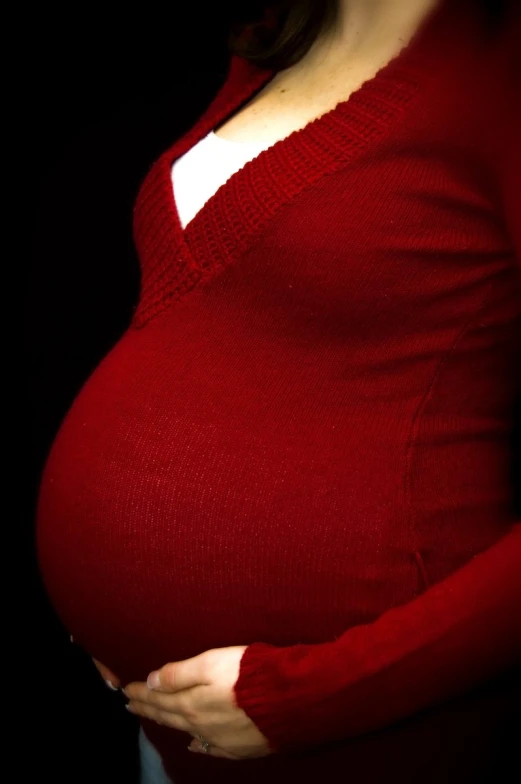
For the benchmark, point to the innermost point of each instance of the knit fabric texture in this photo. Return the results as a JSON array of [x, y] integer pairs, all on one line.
[[302, 442]]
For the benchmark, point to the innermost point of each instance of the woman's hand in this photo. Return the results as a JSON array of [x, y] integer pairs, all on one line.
[[196, 696], [112, 681]]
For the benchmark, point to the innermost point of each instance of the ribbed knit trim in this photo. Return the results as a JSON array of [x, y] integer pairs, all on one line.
[[174, 261]]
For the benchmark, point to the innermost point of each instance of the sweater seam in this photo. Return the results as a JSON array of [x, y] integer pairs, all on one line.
[[412, 440]]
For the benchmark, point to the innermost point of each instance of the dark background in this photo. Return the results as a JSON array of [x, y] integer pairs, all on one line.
[[105, 95]]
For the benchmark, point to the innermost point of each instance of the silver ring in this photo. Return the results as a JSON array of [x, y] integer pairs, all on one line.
[[204, 744]]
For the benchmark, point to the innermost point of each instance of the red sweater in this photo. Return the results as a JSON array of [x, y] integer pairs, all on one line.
[[302, 443]]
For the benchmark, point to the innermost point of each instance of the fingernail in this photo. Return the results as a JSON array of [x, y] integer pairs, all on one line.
[[71, 638], [111, 686], [153, 680], [190, 748]]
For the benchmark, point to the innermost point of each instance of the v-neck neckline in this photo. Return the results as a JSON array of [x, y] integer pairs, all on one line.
[[175, 260]]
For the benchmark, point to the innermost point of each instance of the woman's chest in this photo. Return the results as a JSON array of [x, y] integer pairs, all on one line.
[[295, 97]]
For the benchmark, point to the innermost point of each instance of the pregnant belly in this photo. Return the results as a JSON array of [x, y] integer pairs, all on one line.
[[177, 514]]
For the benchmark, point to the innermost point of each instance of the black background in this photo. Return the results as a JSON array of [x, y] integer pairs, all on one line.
[[106, 93]]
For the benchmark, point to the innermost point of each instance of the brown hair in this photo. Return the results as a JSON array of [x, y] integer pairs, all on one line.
[[279, 33]]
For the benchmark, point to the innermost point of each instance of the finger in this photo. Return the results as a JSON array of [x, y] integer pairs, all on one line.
[[177, 676], [139, 692], [169, 719], [108, 676], [188, 703]]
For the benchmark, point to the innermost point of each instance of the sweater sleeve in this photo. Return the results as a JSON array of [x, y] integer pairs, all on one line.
[[460, 633]]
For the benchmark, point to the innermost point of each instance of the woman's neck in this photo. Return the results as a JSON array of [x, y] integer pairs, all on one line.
[[365, 27]]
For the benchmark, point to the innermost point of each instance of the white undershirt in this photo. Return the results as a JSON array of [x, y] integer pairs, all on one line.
[[198, 174]]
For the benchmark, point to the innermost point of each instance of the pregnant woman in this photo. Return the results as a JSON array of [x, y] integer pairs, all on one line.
[[280, 512]]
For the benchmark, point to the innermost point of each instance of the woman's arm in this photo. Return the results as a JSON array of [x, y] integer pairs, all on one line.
[[459, 633]]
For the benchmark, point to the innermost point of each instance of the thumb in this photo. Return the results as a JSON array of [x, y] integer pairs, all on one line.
[[108, 676]]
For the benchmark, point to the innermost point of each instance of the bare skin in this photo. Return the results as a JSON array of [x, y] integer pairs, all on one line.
[[367, 35]]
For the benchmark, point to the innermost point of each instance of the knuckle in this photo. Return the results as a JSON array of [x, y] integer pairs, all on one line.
[[208, 663], [190, 713], [169, 678], [173, 721]]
